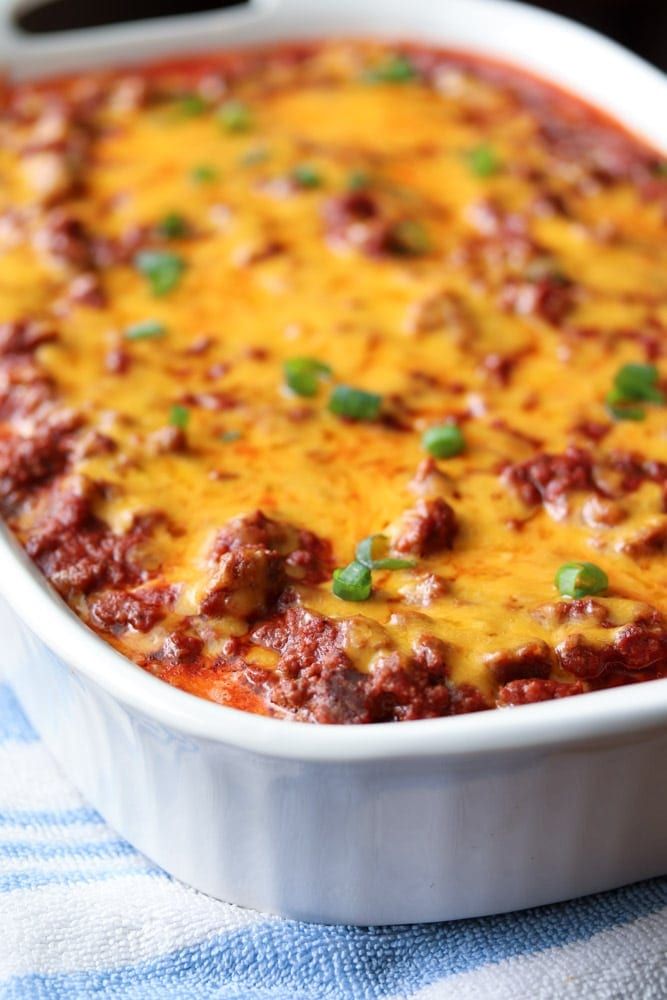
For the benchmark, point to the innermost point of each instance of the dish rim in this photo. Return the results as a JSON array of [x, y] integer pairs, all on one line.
[[595, 716]]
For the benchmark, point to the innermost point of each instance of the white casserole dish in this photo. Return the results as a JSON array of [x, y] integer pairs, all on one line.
[[416, 821]]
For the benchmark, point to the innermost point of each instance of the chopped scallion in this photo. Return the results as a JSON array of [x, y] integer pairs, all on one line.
[[394, 68], [353, 582], [355, 404], [163, 269], [358, 180], [235, 116], [172, 226], [638, 382], [191, 105], [409, 236], [581, 579], [150, 329], [372, 552], [303, 375], [443, 441], [483, 161], [259, 154], [203, 173], [179, 416], [307, 176]]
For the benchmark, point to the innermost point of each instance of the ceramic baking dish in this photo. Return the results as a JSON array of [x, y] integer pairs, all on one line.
[[416, 821]]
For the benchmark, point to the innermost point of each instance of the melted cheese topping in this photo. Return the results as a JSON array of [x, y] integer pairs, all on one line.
[[266, 278]]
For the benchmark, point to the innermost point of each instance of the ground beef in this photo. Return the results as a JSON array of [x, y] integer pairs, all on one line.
[[141, 610], [316, 681], [180, 647], [245, 583], [526, 692], [546, 478], [303, 555], [77, 551], [650, 540], [429, 527], [362, 221], [85, 289], [549, 298], [582, 609], [633, 470], [24, 336], [533, 660], [30, 462], [638, 646], [65, 240]]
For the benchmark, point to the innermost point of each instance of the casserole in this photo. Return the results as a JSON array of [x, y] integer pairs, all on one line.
[[414, 798]]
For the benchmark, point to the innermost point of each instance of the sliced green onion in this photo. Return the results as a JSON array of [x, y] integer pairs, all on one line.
[[204, 173], [353, 582], [620, 409], [483, 161], [639, 383], [355, 404], [443, 441], [580, 579], [372, 552], [235, 116], [358, 180], [259, 154], [307, 176], [303, 375], [409, 236], [393, 69], [163, 269], [150, 329], [179, 416], [227, 437], [191, 105], [172, 225]]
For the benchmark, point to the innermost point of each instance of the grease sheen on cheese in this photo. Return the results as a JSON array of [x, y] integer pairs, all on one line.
[[465, 245]]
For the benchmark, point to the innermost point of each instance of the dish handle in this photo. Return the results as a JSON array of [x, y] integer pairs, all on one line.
[[41, 37]]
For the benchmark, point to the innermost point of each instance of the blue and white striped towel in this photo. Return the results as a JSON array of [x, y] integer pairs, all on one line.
[[82, 914]]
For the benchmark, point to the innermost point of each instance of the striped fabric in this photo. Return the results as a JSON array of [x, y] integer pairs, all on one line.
[[83, 915]]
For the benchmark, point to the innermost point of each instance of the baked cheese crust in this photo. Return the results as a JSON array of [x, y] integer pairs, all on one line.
[[258, 308]]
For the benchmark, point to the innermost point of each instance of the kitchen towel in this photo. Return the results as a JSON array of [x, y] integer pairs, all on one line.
[[82, 914]]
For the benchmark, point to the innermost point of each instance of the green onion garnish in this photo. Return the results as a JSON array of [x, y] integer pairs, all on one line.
[[483, 161], [619, 408], [227, 437], [235, 116], [393, 69], [353, 582], [306, 176], [372, 552], [358, 180], [634, 383], [579, 579], [191, 105], [355, 404], [443, 441], [172, 226], [150, 329], [179, 416], [163, 269], [204, 173], [302, 375], [259, 154], [639, 382], [410, 237]]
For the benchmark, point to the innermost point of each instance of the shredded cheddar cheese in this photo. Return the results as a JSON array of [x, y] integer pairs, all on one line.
[[266, 285]]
